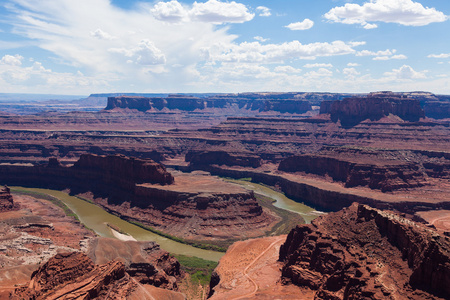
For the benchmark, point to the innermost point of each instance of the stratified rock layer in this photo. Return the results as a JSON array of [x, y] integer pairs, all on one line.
[[254, 102], [352, 111], [74, 276], [192, 206], [119, 167], [365, 253], [6, 200], [386, 175]]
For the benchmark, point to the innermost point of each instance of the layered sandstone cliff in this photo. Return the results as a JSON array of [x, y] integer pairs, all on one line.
[[75, 276], [252, 102], [116, 168], [386, 175], [365, 253], [6, 200], [200, 158], [351, 111]]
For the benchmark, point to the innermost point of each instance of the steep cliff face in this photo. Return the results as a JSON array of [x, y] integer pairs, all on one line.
[[386, 176], [6, 200], [74, 276], [119, 167], [437, 109], [260, 103], [352, 111], [223, 158], [365, 253]]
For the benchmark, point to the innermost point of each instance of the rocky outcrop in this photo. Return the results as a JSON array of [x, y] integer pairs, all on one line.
[[6, 200], [437, 109], [74, 276], [438, 169], [387, 175], [115, 168], [253, 102], [146, 262], [375, 106], [365, 253], [198, 158]]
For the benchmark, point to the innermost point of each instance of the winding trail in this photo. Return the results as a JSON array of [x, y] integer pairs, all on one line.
[[256, 287]]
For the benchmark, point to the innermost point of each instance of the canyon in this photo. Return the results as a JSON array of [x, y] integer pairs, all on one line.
[[188, 206], [154, 160]]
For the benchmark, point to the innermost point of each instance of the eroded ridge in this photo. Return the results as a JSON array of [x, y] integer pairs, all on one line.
[[364, 253]]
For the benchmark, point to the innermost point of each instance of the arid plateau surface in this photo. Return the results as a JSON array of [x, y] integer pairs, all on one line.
[[374, 167]]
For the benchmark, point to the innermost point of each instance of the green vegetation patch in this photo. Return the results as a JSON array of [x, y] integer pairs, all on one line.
[[199, 269]]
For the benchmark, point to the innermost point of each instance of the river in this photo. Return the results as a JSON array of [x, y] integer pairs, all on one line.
[[281, 201], [95, 218]]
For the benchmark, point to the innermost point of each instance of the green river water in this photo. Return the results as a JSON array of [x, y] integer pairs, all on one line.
[[95, 218]]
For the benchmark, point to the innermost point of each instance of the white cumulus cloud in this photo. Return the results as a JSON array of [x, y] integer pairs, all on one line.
[[220, 12], [404, 12], [263, 11], [255, 52], [12, 60], [318, 66], [303, 25], [171, 11], [145, 53], [350, 72], [260, 38], [406, 72]]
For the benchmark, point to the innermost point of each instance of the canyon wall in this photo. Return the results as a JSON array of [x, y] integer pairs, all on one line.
[[351, 111], [387, 175], [6, 200], [142, 191], [365, 253], [260, 103], [322, 197], [195, 157]]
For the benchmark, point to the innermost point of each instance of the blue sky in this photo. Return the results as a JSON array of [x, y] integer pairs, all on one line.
[[94, 46]]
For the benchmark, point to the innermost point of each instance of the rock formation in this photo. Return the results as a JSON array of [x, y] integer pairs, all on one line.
[[365, 253], [375, 106], [386, 175], [74, 276], [282, 103], [198, 158], [6, 200], [119, 168], [437, 109]]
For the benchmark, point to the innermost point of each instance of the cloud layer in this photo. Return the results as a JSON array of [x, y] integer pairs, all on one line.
[[404, 12]]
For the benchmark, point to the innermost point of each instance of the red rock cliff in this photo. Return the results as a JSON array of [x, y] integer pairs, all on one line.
[[385, 175], [6, 200], [126, 168], [74, 276], [365, 253], [351, 111]]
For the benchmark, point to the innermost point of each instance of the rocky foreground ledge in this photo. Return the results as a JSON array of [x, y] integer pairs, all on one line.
[[364, 253], [356, 253]]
